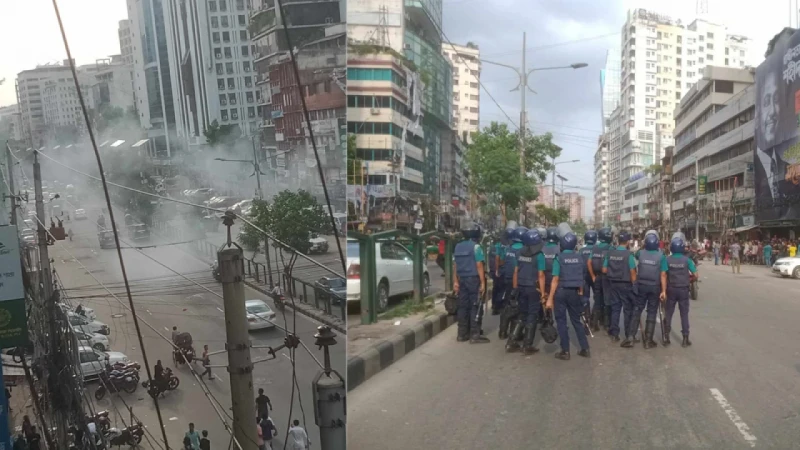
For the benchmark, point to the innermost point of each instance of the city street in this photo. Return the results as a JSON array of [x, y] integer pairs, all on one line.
[[163, 299], [733, 388]]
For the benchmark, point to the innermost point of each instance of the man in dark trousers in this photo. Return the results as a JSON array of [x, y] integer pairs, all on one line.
[[589, 240], [528, 283], [649, 284], [620, 268], [678, 272], [510, 307], [595, 266], [566, 294], [263, 405], [470, 284], [497, 254]]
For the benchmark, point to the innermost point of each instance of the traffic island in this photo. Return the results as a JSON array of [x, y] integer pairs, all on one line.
[[374, 347]]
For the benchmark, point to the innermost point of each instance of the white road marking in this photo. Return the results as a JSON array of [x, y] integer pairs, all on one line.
[[220, 309], [734, 416]]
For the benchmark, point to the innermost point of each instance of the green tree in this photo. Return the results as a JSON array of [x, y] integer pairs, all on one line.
[[551, 216], [579, 227], [653, 169], [219, 135], [354, 163], [292, 217]]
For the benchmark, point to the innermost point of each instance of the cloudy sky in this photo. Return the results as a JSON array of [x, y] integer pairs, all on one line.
[[568, 101]]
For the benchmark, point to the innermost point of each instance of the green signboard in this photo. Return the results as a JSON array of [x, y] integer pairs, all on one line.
[[13, 320], [701, 184]]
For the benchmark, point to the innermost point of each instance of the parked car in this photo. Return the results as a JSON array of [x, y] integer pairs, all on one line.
[[85, 311], [394, 272], [259, 315], [787, 267], [88, 326], [96, 341], [242, 206], [138, 232], [318, 245], [333, 289], [93, 362], [80, 214]]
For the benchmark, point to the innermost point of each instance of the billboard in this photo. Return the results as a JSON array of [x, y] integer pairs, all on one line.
[[776, 156], [13, 319]]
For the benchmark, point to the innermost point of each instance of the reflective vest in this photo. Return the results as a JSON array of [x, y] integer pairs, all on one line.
[[618, 268], [570, 270], [649, 268], [598, 255], [586, 254], [527, 269], [492, 262], [678, 274], [464, 255], [508, 262]]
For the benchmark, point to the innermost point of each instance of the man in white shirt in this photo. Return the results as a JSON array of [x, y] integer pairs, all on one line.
[[297, 438]]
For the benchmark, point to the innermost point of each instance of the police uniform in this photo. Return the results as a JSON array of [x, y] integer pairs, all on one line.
[[599, 315], [588, 284], [568, 266], [509, 262], [530, 301], [498, 291], [648, 281], [467, 254], [679, 267], [619, 262]]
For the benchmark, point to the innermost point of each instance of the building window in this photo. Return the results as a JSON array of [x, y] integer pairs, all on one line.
[[212, 6], [218, 52], [249, 97], [710, 57], [229, 68], [242, 35], [701, 37], [224, 22], [232, 99], [248, 82], [710, 35], [234, 114], [727, 51], [215, 37], [741, 53], [246, 66], [226, 36], [228, 52], [223, 5], [223, 100], [240, 5], [224, 114], [214, 22], [251, 112], [231, 83], [723, 86], [221, 84], [220, 71], [710, 46], [242, 20], [244, 50]]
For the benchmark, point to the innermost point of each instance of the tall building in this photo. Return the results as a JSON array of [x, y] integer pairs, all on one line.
[[31, 86], [125, 41], [10, 122], [60, 103], [151, 75], [574, 202], [415, 123], [661, 59], [609, 86], [466, 63], [601, 179], [111, 83]]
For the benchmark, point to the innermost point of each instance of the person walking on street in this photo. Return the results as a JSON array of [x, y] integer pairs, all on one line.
[[595, 268], [263, 405], [677, 273], [259, 435], [193, 436], [440, 256], [620, 268], [566, 295], [206, 363], [792, 249], [268, 431], [716, 253], [469, 284], [736, 262], [528, 281], [651, 262], [768, 254], [298, 438], [205, 444]]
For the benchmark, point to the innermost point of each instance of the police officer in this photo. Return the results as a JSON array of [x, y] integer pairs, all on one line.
[[595, 266], [470, 284], [678, 271], [589, 240], [565, 295], [620, 268], [528, 283], [510, 311], [648, 281], [497, 254], [550, 251]]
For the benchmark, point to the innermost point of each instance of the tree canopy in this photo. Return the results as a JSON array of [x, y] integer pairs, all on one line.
[[551, 216], [220, 135]]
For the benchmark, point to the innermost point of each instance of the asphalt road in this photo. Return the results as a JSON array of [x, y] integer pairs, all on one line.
[[163, 299], [735, 387]]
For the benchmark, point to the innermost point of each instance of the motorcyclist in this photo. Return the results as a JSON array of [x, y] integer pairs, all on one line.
[[158, 375]]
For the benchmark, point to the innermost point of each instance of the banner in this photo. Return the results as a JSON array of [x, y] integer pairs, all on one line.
[[701, 184], [776, 155], [13, 320]]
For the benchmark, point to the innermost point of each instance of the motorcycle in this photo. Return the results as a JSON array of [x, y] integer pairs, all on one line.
[[117, 381], [131, 435], [278, 299], [100, 420], [125, 366], [171, 383]]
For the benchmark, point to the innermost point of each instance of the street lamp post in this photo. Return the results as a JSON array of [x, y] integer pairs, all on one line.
[[255, 167], [553, 202], [523, 74]]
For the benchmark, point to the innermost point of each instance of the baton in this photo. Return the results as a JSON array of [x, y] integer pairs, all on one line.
[[661, 316], [585, 323]]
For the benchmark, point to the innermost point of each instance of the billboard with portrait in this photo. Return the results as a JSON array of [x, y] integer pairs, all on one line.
[[777, 151]]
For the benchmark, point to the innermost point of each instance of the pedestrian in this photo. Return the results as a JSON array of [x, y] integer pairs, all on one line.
[[620, 267], [589, 240], [528, 281], [205, 444], [206, 363], [736, 262], [648, 287], [497, 255], [792, 249], [595, 267], [193, 436], [34, 440], [268, 431], [27, 427], [767, 254], [716, 253], [469, 284], [510, 256], [440, 256], [676, 277], [259, 435], [175, 334], [298, 438], [187, 443], [566, 295], [263, 405]]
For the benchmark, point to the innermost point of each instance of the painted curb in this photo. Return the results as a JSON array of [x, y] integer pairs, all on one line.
[[309, 311], [383, 354]]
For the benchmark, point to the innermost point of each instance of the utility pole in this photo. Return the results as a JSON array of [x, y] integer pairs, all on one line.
[[240, 366], [257, 170], [697, 199], [553, 201], [522, 126], [330, 394], [11, 195]]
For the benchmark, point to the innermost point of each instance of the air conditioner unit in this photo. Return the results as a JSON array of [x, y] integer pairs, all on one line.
[[223, 102], [374, 111], [233, 101], [219, 55], [251, 115]]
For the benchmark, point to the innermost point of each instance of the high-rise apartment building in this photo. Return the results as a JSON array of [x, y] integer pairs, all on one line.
[[574, 203], [31, 96], [601, 179], [211, 67], [466, 63], [609, 90], [125, 41], [60, 103], [609, 86], [111, 83], [661, 59]]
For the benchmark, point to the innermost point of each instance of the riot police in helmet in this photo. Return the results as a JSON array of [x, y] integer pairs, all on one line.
[[651, 242], [568, 242], [590, 237]]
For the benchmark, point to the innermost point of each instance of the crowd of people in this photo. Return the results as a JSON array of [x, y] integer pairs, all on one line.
[[736, 252]]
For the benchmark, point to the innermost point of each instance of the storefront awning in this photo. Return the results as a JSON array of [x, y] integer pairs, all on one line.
[[741, 229]]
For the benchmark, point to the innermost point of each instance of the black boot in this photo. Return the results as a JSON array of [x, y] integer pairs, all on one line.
[[527, 343], [686, 342], [627, 343], [667, 329], [478, 339], [596, 319], [504, 320], [606, 317], [461, 338], [585, 353], [562, 355], [516, 335], [649, 329]]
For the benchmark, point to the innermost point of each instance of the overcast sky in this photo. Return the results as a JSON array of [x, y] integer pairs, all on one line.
[[568, 101]]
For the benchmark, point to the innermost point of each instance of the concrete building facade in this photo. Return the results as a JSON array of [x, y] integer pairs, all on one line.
[[125, 41], [600, 212], [31, 85], [466, 63]]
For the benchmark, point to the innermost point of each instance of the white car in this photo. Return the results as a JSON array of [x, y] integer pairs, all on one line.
[[80, 214], [394, 272], [96, 341], [30, 224], [259, 315], [88, 326], [787, 267], [87, 312], [318, 245], [93, 362], [28, 236]]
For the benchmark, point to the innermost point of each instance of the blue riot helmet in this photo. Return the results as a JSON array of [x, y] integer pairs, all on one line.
[[623, 236], [472, 231], [605, 235], [568, 242], [552, 235], [677, 245], [510, 227], [531, 238], [518, 233], [651, 242], [590, 237]]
